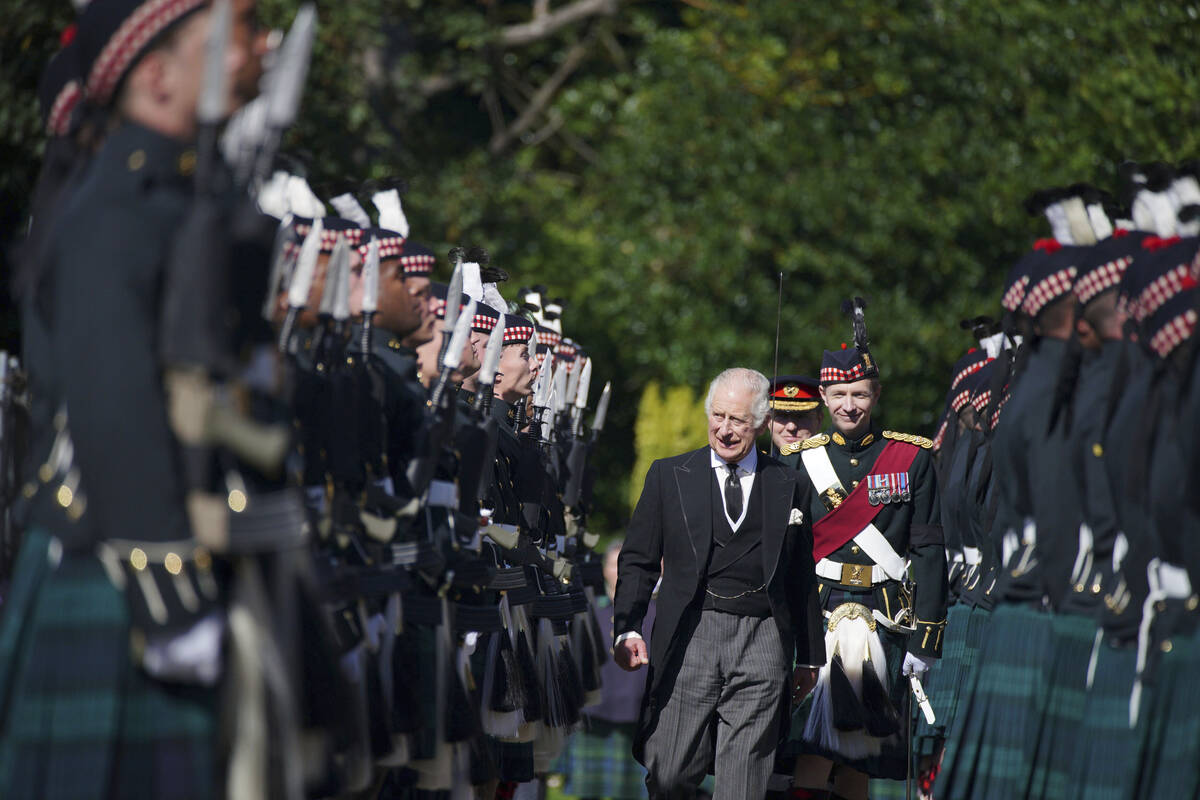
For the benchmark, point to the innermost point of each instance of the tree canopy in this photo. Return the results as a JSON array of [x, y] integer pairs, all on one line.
[[660, 165]]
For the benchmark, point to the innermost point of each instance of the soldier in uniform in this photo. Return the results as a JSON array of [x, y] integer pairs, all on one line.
[[795, 415], [882, 572], [83, 636]]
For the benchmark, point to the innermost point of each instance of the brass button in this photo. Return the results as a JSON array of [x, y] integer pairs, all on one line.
[[854, 485], [854, 462], [1079, 587], [1097, 450], [65, 495], [137, 160], [138, 559], [1167, 646], [237, 501], [1096, 587], [187, 162], [173, 563], [854, 549], [1193, 602]]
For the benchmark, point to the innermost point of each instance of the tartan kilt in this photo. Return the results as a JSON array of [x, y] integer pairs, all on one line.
[[1171, 756], [78, 718], [598, 762], [1109, 751], [942, 682], [990, 754], [1060, 739]]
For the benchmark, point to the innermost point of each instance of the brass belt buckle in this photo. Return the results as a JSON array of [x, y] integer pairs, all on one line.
[[856, 575]]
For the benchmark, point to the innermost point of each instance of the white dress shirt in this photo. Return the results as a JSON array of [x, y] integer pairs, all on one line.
[[745, 472]]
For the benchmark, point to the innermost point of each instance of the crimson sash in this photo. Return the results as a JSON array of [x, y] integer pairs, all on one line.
[[856, 512]]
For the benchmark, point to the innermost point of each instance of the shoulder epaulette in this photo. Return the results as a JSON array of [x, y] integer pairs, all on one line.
[[911, 438], [820, 440]]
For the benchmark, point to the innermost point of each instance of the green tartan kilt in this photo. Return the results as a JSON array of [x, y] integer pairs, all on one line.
[[954, 766], [1109, 752], [1060, 739], [990, 753], [598, 762], [942, 681], [78, 719], [1171, 740]]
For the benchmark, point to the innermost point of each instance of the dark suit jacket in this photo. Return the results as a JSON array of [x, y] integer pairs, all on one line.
[[672, 523]]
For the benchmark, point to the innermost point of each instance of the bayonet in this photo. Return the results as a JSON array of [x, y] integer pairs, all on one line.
[[573, 373], [285, 85], [581, 396], [601, 410], [453, 352], [283, 262], [487, 372], [301, 283], [341, 300], [370, 300], [210, 110], [339, 256], [453, 299], [339, 262], [558, 399]]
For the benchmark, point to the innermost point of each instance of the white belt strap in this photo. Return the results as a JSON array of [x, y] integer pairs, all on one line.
[[879, 550], [820, 470], [873, 543], [1083, 559]]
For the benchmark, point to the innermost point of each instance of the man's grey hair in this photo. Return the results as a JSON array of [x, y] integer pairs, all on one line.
[[752, 381]]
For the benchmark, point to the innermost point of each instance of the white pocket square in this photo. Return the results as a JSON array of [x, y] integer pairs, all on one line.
[[796, 517]]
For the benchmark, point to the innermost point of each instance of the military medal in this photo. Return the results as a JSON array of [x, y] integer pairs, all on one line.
[[890, 487]]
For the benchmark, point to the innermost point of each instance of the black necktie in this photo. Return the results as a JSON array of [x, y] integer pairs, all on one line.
[[733, 493]]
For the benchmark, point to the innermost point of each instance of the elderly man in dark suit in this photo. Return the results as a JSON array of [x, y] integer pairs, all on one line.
[[737, 607]]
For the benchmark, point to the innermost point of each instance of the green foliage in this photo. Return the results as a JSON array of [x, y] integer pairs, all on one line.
[[668, 423], [871, 147], [28, 39]]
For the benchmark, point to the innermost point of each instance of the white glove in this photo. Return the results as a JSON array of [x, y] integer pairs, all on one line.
[[915, 665]]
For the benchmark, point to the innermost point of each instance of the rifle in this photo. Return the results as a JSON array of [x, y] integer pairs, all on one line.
[[420, 470], [477, 444]]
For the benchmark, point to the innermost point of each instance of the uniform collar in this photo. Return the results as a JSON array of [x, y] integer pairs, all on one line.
[[748, 463], [390, 343], [855, 445], [149, 153]]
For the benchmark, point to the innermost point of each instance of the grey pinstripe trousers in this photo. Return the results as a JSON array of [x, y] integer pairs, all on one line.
[[722, 713]]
